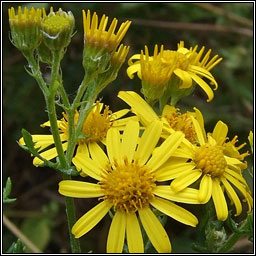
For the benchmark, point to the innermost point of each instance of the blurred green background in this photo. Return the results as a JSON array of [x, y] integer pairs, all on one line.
[[226, 28]]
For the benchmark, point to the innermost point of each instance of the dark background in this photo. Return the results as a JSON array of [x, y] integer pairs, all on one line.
[[226, 28]]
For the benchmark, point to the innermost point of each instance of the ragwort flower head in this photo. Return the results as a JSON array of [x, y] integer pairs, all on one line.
[[218, 167], [94, 131], [171, 117], [127, 185], [100, 43], [185, 63], [57, 29], [98, 36], [25, 28]]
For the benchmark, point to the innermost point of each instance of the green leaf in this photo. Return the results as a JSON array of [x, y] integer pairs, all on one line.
[[17, 247], [28, 141], [38, 231], [7, 192]]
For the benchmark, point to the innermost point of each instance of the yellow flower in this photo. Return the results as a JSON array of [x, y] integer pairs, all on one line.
[[94, 130], [118, 58], [184, 63], [171, 117], [218, 170], [154, 74], [127, 184], [97, 36], [250, 138], [100, 43], [25, 28], [57, 28]]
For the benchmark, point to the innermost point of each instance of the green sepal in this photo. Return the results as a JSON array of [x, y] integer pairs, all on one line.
[[17, 247], [7, 192]]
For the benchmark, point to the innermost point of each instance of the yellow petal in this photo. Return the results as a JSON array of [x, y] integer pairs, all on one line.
[[88, 166], [116, 233], [173, 171], [174, 211], [83, 149], [168, 110], [42, 141], [235, 182], [113, 145], [220, 132], [98, 155], [185, 77], [90, 219], [139, 106], [198, 130], [219, 201], [119, 124], [205, 190], [232, 195], [132, 70], [49, 125], [235, 163], [203, 85], [200, 120], [236, 175], [133, 234], [155, 231], [134, 57], [187, 195], [79, 189], [165, 151], [185, 180], [203, 72], [184, 152], [49, 154], [130, 140], [119, 114], [148, 142]]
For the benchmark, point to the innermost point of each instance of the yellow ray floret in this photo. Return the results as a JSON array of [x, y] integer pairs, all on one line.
[[185, 63], [97, 35], [126, 182]]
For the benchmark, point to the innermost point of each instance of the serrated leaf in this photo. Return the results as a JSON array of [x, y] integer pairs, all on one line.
[[17, 247], [7, 192], [28, 140]]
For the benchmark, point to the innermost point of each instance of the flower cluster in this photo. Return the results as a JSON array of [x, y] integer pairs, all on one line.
[[143, 164]]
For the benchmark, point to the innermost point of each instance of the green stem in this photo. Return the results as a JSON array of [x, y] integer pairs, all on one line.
[[73, 132], [36, 72], [81, 90], [49, 94], [71, 217], [54, 85], [64, 95], [50, 102]]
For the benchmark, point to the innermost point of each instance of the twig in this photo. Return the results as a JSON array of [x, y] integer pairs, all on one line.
[[230, 15], [20, 235], [193, 26]]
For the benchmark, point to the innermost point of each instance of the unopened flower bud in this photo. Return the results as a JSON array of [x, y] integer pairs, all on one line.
[[57, 29], [25, 28]]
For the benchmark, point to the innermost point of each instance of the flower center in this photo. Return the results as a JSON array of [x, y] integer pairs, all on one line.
[[210, 159], [183, 123], [95, 126], [56, 24], [155, 72], [176, 59], [128, 187]]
